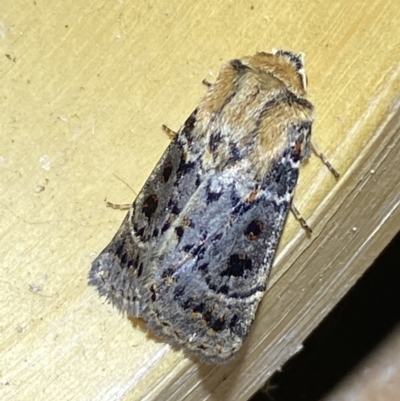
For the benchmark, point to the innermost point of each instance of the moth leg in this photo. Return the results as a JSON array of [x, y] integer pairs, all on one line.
[[300, 219], [171, 134], [324, 160], [124, 206]]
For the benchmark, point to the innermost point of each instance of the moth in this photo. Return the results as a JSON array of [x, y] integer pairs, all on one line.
[[193, 254]]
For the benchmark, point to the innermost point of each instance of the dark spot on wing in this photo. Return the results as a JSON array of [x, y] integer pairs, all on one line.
[[254, 229], [207, 316], [218, 324], [199, 308], [173, 207], [178, 291], [236, 265], [236, 328], [188, 248], [215, 139], [235, 153], [187, 304], [190, 123], [217, 237], [224, 289], [212, 196], [184, 167], [198, 251], [179, 232], [233, 321], [165, 227], [123, 256], [140, 232], [234, 198], [153, 290], [150, 205], [203, 267], [140, 269], [166, 172], [167, 273]]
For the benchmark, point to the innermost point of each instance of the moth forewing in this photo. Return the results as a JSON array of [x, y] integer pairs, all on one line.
[[193, 256]]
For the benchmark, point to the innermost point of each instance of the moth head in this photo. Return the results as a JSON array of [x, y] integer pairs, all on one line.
[[285, 66], [296, 60]]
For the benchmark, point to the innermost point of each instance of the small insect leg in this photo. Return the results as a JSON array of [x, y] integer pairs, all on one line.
[[171, 134], [124, 206], [324, 160], [300, 219]]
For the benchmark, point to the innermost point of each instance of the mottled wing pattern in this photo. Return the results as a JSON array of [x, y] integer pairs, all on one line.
[[213, 265], [193, 255], [121, 270]]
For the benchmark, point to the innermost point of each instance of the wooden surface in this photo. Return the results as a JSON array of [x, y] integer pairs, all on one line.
[[85, 87]]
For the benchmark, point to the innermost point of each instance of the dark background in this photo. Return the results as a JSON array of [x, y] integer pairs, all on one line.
[[361, 320]]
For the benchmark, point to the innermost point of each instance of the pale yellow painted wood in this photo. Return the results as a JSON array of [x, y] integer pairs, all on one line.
[[85, 87]]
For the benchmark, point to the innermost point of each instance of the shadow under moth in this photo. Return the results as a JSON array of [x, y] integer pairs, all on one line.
[[193, 254]]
